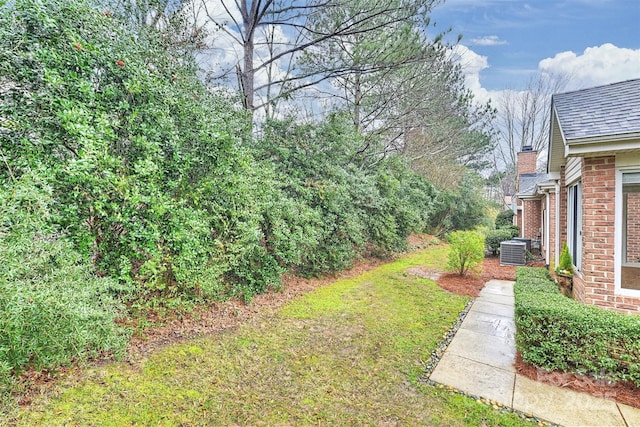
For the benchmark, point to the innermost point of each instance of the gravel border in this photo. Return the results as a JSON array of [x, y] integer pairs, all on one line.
[[437, 354]]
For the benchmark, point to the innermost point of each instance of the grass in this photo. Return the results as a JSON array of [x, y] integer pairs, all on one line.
[[349, 353]]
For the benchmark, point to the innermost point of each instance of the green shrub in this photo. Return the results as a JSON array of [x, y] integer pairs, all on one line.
[[514, 229], [557, 333], [53, 310], [466, 251], [495, 237], [329, 211], [461, 209], [565, 264], [504, 219]]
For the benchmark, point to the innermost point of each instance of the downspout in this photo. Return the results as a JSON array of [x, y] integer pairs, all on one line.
[[522, 230], [557, 242], [547, 228]]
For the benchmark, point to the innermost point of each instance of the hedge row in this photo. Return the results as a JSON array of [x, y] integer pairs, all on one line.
[[558, 333]]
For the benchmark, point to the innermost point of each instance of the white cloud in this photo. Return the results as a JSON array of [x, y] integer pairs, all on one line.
[[472, 65], [487, 41], [596, 66]]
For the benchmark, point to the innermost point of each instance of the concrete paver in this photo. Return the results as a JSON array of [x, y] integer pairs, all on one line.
[[500, 287], [499, 326], [479, 361], [475, 378], [492, 308], [497, 299], [564, 406], [631, 415], [487, 349]]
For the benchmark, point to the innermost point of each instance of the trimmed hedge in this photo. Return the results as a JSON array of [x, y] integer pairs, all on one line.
[[558, 333]]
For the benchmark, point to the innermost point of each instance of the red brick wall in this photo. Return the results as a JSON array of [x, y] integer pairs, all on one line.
[[532, 216], [527, 162], [596, 286]]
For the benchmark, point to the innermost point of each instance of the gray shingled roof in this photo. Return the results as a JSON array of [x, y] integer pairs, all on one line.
[[604, 110], [528, 182]]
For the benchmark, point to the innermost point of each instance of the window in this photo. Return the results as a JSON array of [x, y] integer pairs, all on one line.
[[630, 271], [574, 224]]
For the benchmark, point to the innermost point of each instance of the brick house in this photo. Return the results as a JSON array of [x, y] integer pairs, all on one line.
[[590, 195], [530, 203]]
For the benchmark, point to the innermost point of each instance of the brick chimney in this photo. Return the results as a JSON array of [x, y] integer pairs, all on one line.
[[527, 160]]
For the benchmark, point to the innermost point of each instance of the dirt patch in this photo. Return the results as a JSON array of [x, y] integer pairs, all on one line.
[[424, 273], [626, 393], [472, 284]]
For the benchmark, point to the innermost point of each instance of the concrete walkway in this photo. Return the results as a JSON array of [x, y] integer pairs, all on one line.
[[479, 361]]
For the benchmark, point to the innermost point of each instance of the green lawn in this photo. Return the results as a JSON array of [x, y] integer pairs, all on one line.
[[347, 354]]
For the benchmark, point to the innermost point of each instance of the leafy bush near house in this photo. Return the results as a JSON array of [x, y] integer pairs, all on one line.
[[504, 218], [505, 230], [565, 264], [495, 237], [466, 251], [557, 333], [460, 209]]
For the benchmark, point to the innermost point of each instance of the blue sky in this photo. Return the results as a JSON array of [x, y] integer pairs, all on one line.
[[508, 41]]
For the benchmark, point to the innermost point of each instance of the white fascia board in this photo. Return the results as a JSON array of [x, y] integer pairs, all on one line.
[[602, 145]]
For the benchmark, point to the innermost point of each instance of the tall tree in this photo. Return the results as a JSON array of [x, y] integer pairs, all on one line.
[[406, 92], [304, 29]]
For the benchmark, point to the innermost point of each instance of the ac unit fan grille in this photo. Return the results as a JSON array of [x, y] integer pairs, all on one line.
[[513, 252]]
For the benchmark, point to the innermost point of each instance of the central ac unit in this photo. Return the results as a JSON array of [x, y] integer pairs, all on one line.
[[513, 252]]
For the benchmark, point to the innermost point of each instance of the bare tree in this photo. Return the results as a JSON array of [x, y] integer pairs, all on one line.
[[245, 18], [523, 118]]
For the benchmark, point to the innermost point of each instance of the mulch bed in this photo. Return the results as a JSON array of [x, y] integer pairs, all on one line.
[[622, 392]]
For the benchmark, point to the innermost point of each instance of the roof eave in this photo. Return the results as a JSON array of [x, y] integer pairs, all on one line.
[[602, 144], [561, 148]]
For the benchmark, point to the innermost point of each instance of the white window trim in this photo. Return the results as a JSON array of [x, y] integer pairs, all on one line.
[[577, 257], [617, 264]]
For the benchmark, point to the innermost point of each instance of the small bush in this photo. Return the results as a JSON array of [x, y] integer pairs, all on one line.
[[467, 251], [557, 333], [495, 237], [514, 229], [565, 265]]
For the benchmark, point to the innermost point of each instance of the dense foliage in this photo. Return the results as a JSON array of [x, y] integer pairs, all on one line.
[[495, 237], [558, 333], [53, 309], [504, 218], [332, 211], [462, 208], [504, 230], [127, 182]]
